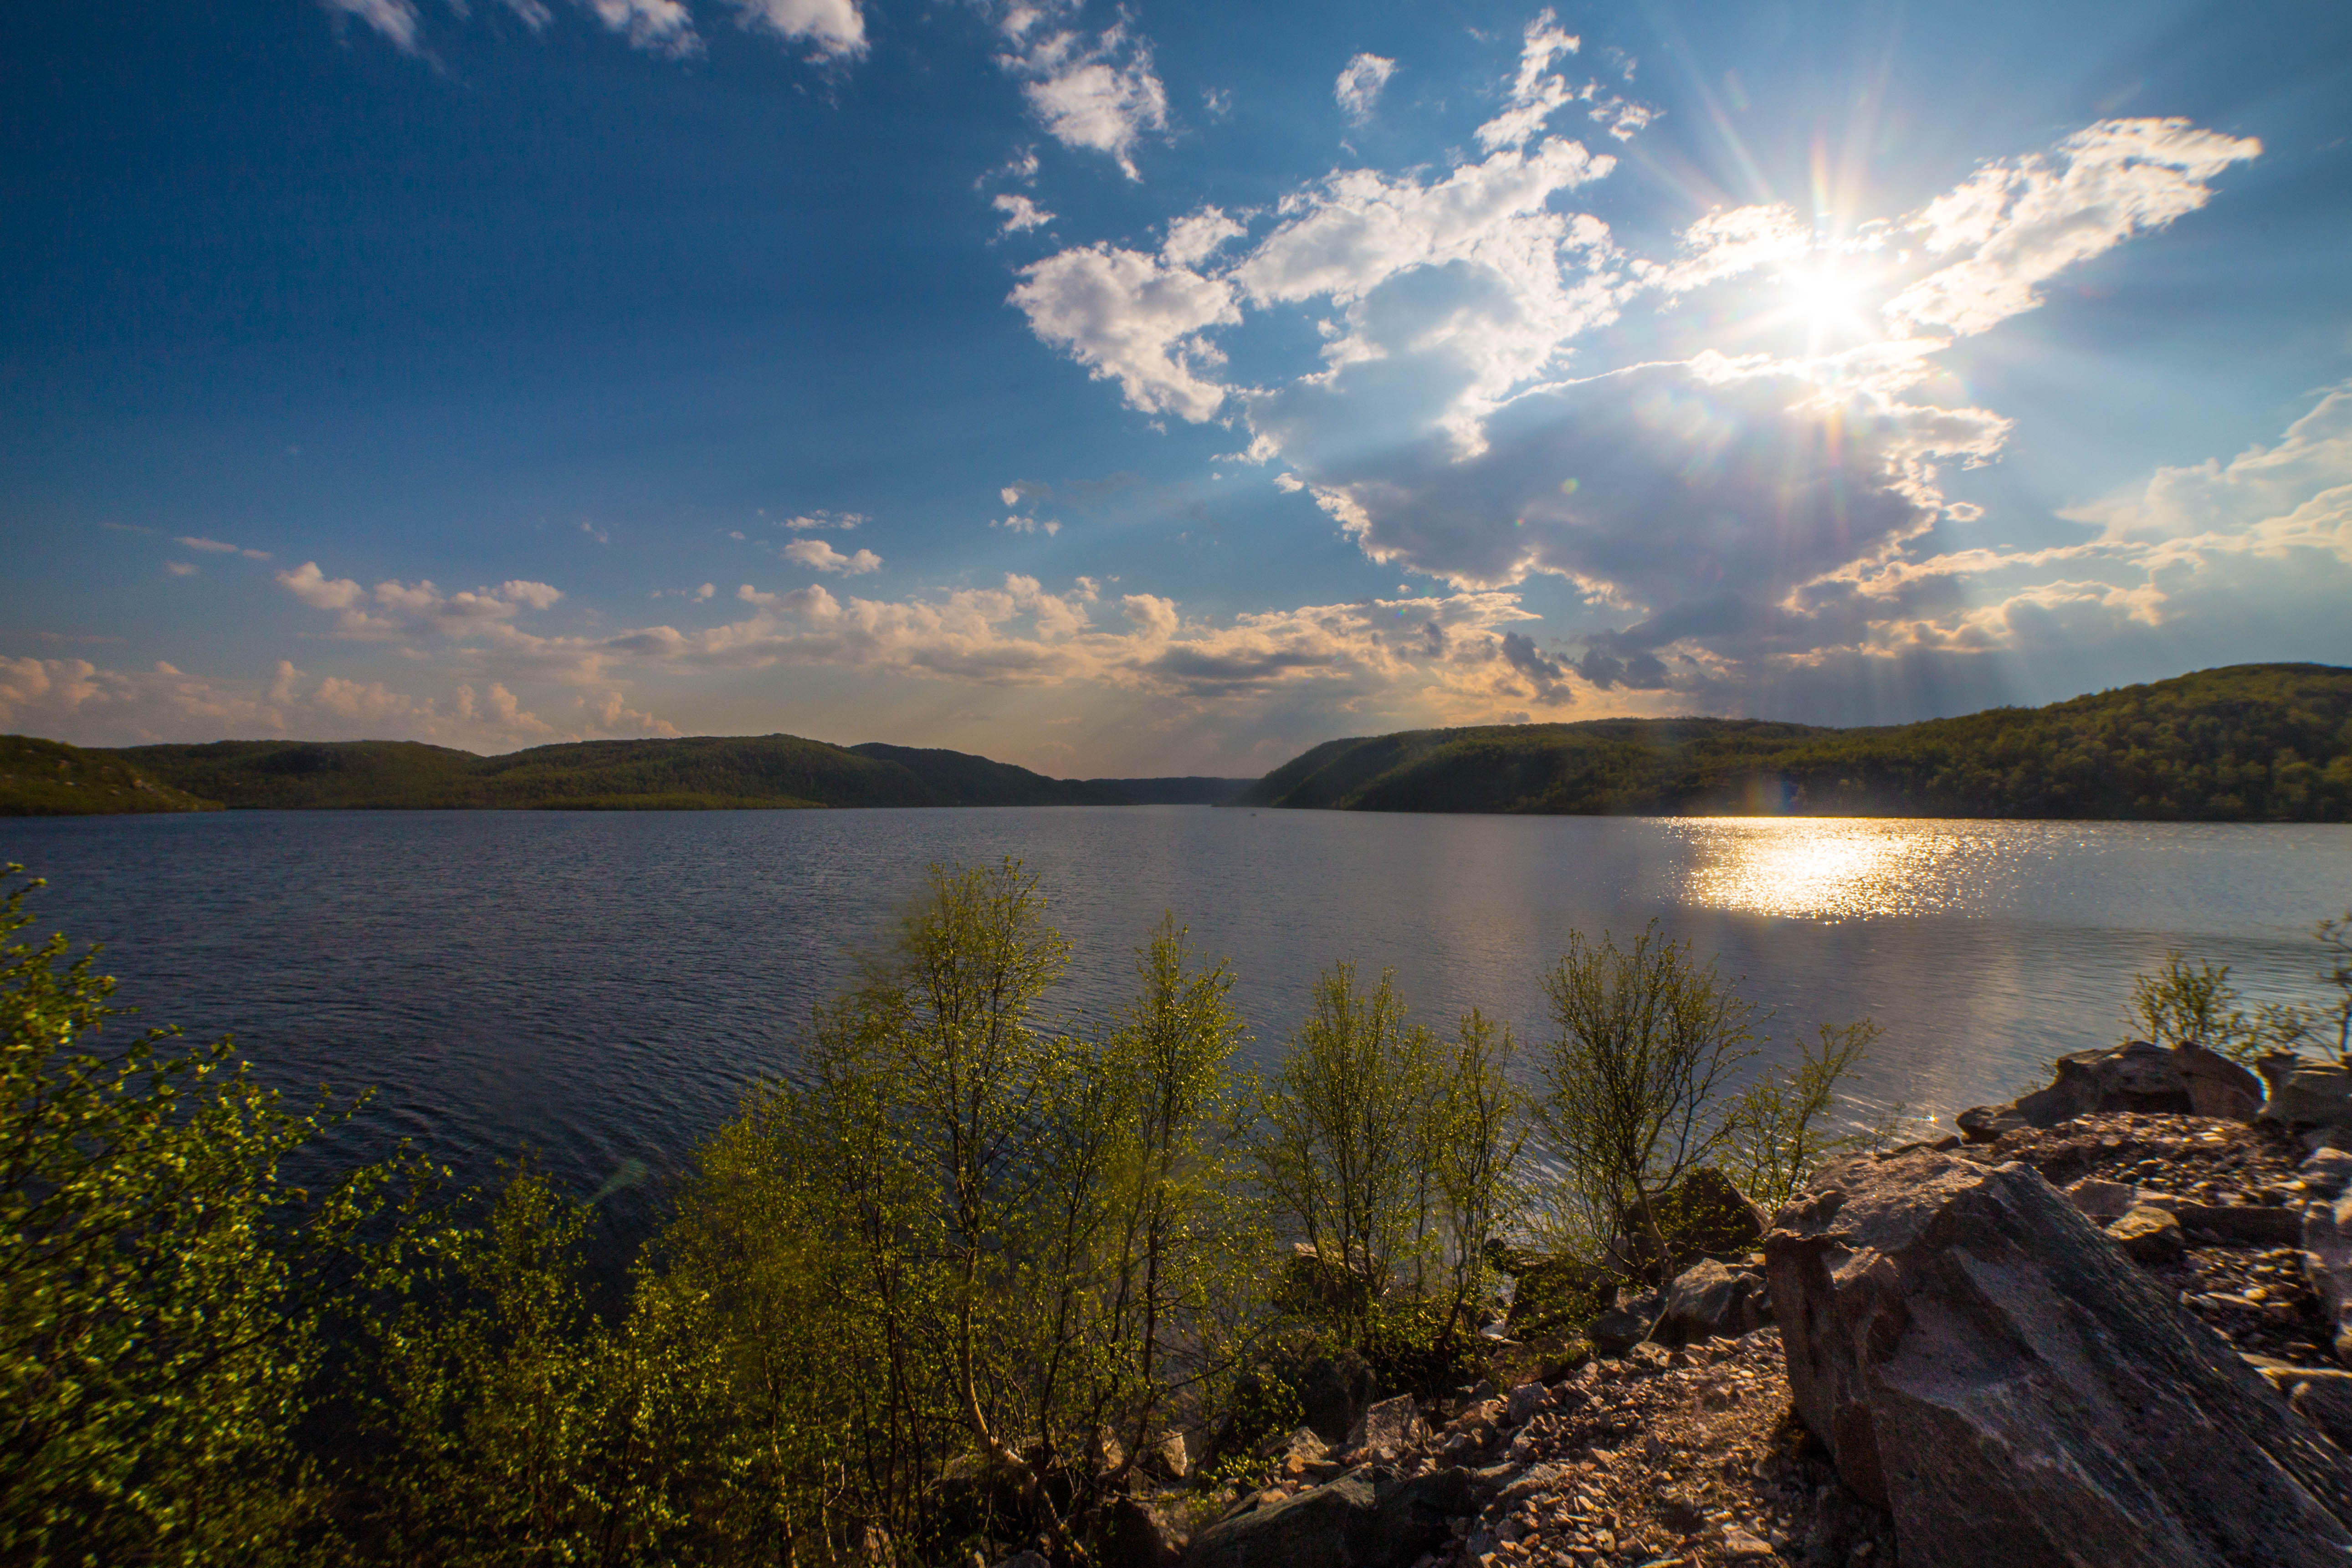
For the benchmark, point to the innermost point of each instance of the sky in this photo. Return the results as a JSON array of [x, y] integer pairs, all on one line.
[[1127, 389]]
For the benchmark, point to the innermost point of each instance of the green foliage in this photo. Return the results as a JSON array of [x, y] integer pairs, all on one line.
[[161, 1291], [699, 773], [1779, 1127], [1647, 1041], [2181, 1003], [2254, 742], [48, 778]]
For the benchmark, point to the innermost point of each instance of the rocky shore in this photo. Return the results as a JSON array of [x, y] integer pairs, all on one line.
[[2109, 1323]]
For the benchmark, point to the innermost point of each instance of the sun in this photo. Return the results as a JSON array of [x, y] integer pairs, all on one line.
[[1826, 297]]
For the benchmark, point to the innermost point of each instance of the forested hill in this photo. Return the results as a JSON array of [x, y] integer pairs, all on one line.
[[49, 778], [2258, 742], [714, 771]]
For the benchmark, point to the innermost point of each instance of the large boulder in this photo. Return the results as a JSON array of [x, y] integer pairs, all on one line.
[[1984, 1364], [1702, 1214], [2134, 1075], [2328, 1242], [2217, 1086], [1709, 1301], [1335, 1391], [1355, 1522], [2306, 1093]]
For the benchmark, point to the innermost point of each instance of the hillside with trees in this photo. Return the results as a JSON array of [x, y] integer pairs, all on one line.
[[49, 778], [2249, 743], [697, 773]]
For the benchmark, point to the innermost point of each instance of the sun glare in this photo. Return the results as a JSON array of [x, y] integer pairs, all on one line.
[[1827, 297]]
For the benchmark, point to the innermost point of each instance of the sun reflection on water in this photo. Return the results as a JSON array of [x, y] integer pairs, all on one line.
[[1829, 868]]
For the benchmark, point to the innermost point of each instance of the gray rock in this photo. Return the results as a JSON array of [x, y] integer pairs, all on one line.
[[2324, 1399], [2327, 1265], [2217, 1086], [1620, 1328], [1134, 1535], [1983, 1363], [1704, 1213], [1172, 1458], [2134, 1075], [1524, 1401], [2245, 1225], [2148, 1235], [2306, 1093], [1351, 1523], [2103, 1203], [1335, 1391], [2327, 1172], [1024, 1560], [1384, 1431], [1708, 1301], [1557, 1287]]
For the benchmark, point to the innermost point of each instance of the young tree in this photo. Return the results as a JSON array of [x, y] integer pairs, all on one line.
[[2184, 1005], [1779, 1131], [1647, 1041], [160, 1287], [1343, 1149], [1475, 1137]]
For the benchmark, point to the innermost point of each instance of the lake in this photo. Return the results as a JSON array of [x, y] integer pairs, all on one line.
[[602, 985]]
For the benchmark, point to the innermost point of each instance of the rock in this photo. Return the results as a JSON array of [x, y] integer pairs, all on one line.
[[1707, 1301], [1557, 1287], [2217, 1086], [2102, 1201], [1312, 1282], [1024, 1560], [1134, 1535], [1335, 1391], [1304, 1445], [2327, 1172], [1524, 1401], [2306, 1093], [1620, 1328], [2134, 1075], [1739, 1546], [2148, 1235], [1350, 1523], [2245, 1225], [1702, 1214], [1982, 1363], [2328, 1265], [2324, 1399], [1384, 1431], [1171, 1459]]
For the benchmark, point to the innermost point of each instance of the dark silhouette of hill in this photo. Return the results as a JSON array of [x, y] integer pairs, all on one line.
[[697, 773], [2263, 742]]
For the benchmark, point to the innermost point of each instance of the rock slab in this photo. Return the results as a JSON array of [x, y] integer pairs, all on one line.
[[1355, 1522], [1984, 1364], [2186, 1080]]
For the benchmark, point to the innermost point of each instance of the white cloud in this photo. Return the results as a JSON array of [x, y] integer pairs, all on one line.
[[403, 610], [1726, 243], [845, 520], [1196, 237], [1019, 524], [2296, 494], [1020, 213], [817, 555], [1537, 91], [2022, 222], [180, 568], [832, 30], [1128, 317], [396, 19], [318, 591], [214, 546], [661, 26], [707, 591], [1358, 88], [1099, 94]]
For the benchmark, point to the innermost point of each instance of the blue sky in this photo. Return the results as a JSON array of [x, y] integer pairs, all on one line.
[[1158, 389]]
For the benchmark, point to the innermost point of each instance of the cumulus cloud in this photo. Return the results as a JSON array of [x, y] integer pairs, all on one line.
[[1020, 524], [180, 568], [802, 523], [1196, 237], [393, 610], [1357, 89], [2016, 224], [1133, 318], [819, 556], [1020, 213], [1538, 92], [1095, 92], [74, 700], [832, 30]]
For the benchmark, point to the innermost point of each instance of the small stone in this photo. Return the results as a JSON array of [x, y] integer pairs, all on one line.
[[1739, 1546], [2148, 1235]]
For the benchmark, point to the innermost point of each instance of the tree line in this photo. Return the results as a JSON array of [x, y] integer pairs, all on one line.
[[965, 1280]]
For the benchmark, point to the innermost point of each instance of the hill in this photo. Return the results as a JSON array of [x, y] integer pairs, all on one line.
[[697, 773], [2251, 742], [49, 778]]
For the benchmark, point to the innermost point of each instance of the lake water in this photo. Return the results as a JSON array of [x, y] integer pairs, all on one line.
[[602, 985]]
